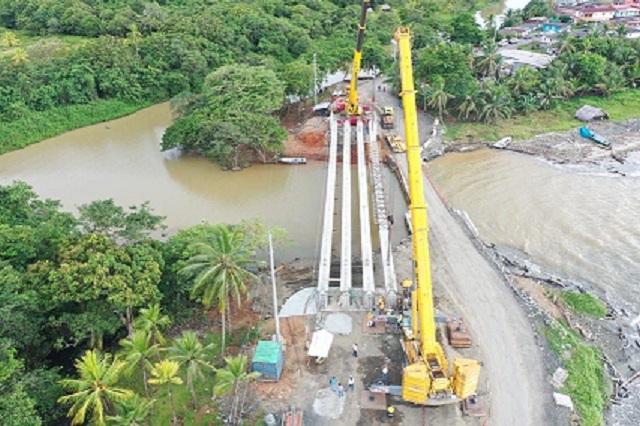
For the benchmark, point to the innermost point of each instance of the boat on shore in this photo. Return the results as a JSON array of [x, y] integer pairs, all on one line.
[[293, 160], [600, 140]]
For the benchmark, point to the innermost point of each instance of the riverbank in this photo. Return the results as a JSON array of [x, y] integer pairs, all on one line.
[[620, 106], [35, 126]]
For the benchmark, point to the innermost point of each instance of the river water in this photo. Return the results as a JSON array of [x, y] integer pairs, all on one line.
[[582, 224], [122, 160]]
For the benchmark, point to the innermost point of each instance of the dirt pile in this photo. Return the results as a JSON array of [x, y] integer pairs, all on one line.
[[309, 140]]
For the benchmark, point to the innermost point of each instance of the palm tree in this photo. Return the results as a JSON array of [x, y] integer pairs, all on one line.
[[137, 350], [190, 354], [133, 412], [496, 104], [220, 270], [96, 389], [229, 378], [9, 39], [152, 321], [19, 56], [468, 106], [611, 82], [489, 63], [438, 98], [165, 372]]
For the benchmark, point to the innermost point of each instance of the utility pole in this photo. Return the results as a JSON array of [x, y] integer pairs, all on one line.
[[315, 81], [273, 285]]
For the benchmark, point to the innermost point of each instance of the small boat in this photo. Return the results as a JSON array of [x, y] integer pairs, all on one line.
[[293, 160], [600, 140]]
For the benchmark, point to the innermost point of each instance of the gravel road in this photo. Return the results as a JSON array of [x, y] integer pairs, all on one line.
[[513, 364]]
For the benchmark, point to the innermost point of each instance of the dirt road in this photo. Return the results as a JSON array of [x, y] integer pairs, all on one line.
[[513, 364]]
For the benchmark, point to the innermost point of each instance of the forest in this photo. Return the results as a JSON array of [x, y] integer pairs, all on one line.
[[91, 285]]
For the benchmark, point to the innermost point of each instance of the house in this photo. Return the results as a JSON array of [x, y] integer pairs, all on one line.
[[626, 11], [554, 27], [565, 3], [596, 14], [518, 31]]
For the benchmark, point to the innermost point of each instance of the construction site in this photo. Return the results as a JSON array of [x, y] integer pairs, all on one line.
[[426, 332]]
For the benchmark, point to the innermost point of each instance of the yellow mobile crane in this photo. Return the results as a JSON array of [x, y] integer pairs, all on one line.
[[353, 107], [426, 380]]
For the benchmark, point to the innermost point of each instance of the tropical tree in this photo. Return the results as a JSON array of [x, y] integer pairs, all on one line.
[[136, 351], [438, 98], [468, 107], [95, 390], [165, 372], [612, 81], [565, 43], [19, 56], [9, 39], [621, 30], [193, 356], [229, 378], [133, 412], [489, 63], [496, 103], [220, 270], [152, 321]]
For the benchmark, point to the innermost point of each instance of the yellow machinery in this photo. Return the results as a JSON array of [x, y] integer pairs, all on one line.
[[353, 107], [426, 380]]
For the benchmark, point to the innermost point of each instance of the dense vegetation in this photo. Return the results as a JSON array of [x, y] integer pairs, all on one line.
[[74, 286]]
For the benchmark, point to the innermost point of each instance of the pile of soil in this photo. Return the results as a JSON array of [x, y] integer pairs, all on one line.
[[310, 140]]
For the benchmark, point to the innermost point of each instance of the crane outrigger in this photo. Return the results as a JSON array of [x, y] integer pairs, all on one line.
[[426, 380]]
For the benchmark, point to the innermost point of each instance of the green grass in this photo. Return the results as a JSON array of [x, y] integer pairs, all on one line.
[[34, 126], [620, 106], [586, 381], [585, 303]]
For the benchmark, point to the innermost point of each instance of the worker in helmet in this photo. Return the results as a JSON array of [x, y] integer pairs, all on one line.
[[391, 410]]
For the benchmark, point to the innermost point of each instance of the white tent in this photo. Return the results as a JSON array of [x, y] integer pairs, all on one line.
[[320, 344]]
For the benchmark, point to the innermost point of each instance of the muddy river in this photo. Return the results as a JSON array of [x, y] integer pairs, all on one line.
[[122, 160], [582, 224]]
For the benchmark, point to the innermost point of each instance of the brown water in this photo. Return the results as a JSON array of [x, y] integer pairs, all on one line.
[[122, 160], [582, 224]]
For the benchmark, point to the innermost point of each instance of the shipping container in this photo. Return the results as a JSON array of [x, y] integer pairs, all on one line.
[[268, 360]]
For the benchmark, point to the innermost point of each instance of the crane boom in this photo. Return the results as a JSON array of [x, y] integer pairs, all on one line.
[[426, 380], [353, 107]]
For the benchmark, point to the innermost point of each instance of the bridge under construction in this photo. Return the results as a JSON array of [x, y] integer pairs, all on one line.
[[337, 290]]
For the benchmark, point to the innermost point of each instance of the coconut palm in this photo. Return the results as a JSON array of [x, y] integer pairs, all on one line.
[[611, 82], [95, 390], [229, 378], [193, 356], [9, 39], [438, 97], [19, 56], [165, 372], [136, 351], [496, 103], [152, 321], [621, 30], [133, 412], [220, 270], [468, 107], [489, 63]]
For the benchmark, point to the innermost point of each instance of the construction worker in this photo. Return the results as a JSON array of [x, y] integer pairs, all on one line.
[[381, 305], [391, 410], [399, 322]]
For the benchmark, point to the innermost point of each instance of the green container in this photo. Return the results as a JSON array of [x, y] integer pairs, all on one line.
[[268, 360]]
